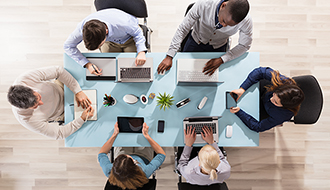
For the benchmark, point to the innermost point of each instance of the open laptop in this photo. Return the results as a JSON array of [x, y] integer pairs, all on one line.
[[199, 122], [127, 71], [108, 66], [190, 72]]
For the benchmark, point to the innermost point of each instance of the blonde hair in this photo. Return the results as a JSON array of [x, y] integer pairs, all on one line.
[[209, 160]]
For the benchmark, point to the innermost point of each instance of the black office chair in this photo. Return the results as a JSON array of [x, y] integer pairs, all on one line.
[[188, 186], [311, 107], [186, 38], [151, 185], [137, 8]]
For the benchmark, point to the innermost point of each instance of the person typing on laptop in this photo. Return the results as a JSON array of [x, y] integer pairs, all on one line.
[[110, 30], [213, 22], [38, 103], [209, 167]]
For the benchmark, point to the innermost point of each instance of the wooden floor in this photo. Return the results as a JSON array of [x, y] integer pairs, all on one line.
[[291, 36]]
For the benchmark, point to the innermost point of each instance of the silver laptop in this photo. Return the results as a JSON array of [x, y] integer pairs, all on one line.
[[190, 72], [108, 66], [199, 122], [128, 72]]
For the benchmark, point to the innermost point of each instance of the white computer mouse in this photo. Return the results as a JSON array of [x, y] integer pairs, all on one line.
[[162, 73], [130, 98], [229, 131]]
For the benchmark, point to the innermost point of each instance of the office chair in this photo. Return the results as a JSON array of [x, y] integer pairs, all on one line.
[[311, 107], [151, 185], [188, 186], [137, 8], [186, 38]]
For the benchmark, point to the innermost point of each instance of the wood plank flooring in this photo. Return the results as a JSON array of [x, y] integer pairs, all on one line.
[[291, 36]]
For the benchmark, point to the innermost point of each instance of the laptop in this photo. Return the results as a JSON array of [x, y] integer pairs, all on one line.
[[130, 124], [190, 72], [108, 66], [128, 72], [199, 122]]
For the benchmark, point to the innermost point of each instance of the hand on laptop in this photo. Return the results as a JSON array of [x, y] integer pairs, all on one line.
[[82, 100], [165, 65], [239, 92], [140, 58], [93, 69], [212, 65], [189, 136], [207, 135]]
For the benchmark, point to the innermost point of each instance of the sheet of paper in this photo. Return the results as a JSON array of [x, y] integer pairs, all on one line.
[[91, 94]]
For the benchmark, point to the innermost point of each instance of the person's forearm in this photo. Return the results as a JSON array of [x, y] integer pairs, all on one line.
[[108, 145], [157, 148]]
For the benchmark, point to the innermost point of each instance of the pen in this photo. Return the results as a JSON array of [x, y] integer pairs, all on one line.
[[87, 116], [94, 68]]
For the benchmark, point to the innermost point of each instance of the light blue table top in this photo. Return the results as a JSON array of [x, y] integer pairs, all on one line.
[[95, 133]]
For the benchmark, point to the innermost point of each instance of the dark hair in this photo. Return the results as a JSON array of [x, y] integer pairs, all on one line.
[[94, 32], [21, 96], [287, 90], [238, 9], [126, 174]]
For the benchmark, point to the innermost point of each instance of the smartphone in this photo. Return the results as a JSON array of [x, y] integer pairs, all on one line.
[[161, 125], [230, 101]]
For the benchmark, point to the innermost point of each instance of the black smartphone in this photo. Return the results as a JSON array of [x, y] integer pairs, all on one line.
[[161, 125]]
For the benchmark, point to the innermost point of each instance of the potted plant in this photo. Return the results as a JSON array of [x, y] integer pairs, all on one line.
[[165, 100]]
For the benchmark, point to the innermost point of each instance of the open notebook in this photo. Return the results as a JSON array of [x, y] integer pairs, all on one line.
[[91, 94]]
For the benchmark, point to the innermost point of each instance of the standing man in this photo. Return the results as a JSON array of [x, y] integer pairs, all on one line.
[[110, 30], [213, 22], [38, 103]]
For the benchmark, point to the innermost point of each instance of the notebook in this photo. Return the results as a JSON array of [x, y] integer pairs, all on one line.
[[199, 122], [190, 72], [91, 94], [108, 66], [128, 72]]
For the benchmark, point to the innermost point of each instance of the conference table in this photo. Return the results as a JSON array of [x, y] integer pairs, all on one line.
[[232, 73]]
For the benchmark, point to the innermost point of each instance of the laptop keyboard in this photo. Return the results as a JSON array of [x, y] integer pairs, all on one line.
[[196, 76], [199, 127], [135, 73]]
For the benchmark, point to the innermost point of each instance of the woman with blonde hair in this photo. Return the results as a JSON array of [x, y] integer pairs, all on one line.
[[132, 165], [209, 167], [281, 101]]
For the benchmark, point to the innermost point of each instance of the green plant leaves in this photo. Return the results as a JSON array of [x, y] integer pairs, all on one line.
[[164, 101]]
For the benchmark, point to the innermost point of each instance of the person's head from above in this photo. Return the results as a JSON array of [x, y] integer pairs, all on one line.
[[24, 97], [94, 34], [233, 12], [209, 160], [126, 174], [286, 93]]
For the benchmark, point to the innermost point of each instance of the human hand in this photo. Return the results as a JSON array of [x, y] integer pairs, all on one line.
[[239, 92], [140, 58], [82, 100], [165, 65], [93, 69], [88, 113], [189, 136], [234, 109], [207, 135], [212, 65], [116, 130], [145, 130]]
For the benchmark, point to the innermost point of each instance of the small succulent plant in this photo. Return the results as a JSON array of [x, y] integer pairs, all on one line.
[[165, 100]]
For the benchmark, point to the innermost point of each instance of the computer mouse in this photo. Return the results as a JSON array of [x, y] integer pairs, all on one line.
[[130, 98], [202, 103], [162, 73], [229, 131]]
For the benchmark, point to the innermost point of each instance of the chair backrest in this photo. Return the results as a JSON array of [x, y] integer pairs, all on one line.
[[311, 107], [151, 185], [188, 186], [186, 38], [137, 8]]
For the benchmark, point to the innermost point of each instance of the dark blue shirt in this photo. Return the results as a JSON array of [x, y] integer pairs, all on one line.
[[277, 115]]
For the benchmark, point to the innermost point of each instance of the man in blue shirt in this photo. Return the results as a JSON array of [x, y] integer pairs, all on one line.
[[110, 30]]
